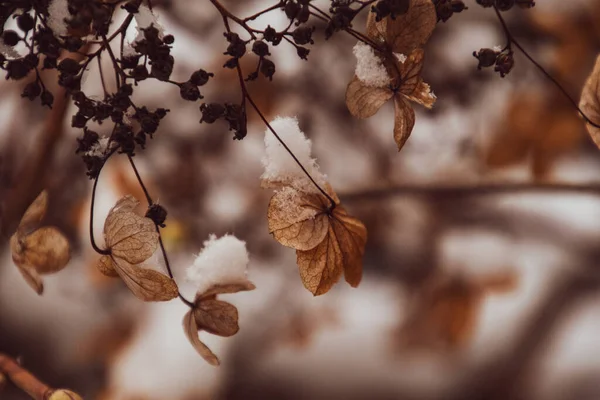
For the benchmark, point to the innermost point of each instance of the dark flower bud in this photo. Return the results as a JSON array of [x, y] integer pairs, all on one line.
[[140, 138], [157, 214], [10, 38], [16, 69], [272, 36], [151, 33], [303, 35], [168, 39], [139, 73], [25, 22], [200, 77], [85, 143], [237, 47], [525, 3], [47, 98], [93, 165], [162, 69], [485, 3], [487, 57], [231, 63], [458, 6], [291, 9], [73, 43], [267, 68], [32, 90], [69, 66], [504, 64], [505, 5], [260, 48], [131, 61], [49, 63], [79, 120], [211, 112], [303, 15], [189, 91], [302, 52], [126, 90], [161, 112]]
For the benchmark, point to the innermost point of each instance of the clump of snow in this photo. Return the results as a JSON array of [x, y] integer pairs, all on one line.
[[401, 57], [369, 68], [8, 51], [280, 167], [222, 261], [99, 148], [145, 18], [58, 11]]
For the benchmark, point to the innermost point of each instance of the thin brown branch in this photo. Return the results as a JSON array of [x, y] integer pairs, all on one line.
[[23, 379], [485, 189]]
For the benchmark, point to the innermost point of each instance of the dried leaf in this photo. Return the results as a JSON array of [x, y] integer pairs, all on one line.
[[408, 31], [146, 284], [321, 267], [339, 250], [226, 289], [217, 317], [34, 214], [297, 221], [46, 250], [105, 266], [590, 102], [404, 120], [364, 101], [191, 331], [129, 236]]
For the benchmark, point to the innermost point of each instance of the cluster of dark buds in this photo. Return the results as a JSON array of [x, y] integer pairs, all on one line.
[[391, 8], [447, 8], [234, 114], [505, 5], [502, 60], [157, 51], [342, 16], [297, 10], [189, 90]]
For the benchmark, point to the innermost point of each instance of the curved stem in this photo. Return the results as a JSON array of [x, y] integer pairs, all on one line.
[[511, 40], [94, 245], [160, 241], [23, 379]]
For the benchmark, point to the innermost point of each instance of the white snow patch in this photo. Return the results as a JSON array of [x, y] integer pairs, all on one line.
[[369, 67], [222, 261]]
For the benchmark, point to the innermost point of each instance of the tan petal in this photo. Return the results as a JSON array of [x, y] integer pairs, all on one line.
[[296, 219], [29, 273], [191, 332], [590, 102], [410, 72], [404, 120], [34, 214], [411, 30], [106, 267], [217, 317], [146, 284], [226, 289], [129, 236], [364, 101], [46, 250], [351, 236], [321, 267]]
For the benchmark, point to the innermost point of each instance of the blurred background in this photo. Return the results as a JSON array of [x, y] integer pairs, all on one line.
[[469, 292]]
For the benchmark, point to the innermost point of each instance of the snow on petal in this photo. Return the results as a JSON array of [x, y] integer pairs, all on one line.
[[279, 164], [58, 11], [145, 18], [99, 148], [222, 261], [369, 67]]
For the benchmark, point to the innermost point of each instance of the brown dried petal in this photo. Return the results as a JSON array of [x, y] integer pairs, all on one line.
[[404, 120], [106, 266], [297, 221], [146, 284], [34, 214], [590, 102], [129, 236], [191, 331], [217, 317], [226, 289], [30, 275], [321, 267], [45, 249], [364, 101], [408, 31], [351, 236], [410, 72]]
